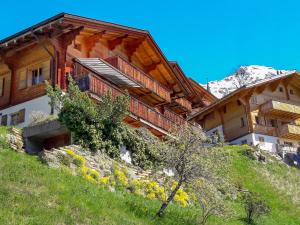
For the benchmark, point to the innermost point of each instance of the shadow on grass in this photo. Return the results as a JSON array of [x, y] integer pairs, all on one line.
[[246, 222], [173, 215]]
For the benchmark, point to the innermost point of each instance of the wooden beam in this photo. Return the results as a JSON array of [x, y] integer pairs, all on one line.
[[131, 47], [287, 94], [275, 85], [13, 80], [151, 67], [60, 45], [222, 122], [260, 89], [92, 40], [193, 96], [161, 104], [112, 44], [145, 94], [248, 114]]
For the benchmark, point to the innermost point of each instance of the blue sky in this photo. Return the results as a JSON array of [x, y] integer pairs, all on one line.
[[209, 39]]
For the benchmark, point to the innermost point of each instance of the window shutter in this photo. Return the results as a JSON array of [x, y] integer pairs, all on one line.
[[22, 79], [2, 81], [21, 116], [4, 120], [29, 77]]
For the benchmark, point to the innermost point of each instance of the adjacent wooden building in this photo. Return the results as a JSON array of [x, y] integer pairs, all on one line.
[[101, 56], [265, 114]]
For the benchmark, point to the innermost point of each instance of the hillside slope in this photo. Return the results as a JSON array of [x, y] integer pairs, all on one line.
[[31, 193]]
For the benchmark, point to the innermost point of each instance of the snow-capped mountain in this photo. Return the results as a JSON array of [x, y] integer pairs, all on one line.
[[243, 76]]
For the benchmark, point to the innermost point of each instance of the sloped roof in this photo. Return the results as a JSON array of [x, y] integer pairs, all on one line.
[[66, 18], [245, 88]]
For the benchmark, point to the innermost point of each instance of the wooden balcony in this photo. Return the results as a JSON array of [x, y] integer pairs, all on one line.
[[147, 83], [266, 130], [140, 112], [281, 109], [290, 131]]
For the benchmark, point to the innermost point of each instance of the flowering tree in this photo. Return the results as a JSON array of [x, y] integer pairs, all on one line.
[[210, 200], [187, 155]]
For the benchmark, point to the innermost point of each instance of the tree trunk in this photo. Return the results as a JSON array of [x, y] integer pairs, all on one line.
[[170, 198]]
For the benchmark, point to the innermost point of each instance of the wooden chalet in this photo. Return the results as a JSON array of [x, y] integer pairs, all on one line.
[[265, 114], [101, 56]]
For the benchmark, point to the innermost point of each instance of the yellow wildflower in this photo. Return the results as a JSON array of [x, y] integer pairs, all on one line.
[[104, 180], [70, 152]]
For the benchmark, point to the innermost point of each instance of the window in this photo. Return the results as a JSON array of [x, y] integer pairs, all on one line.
[[261, 139], [22, 116], [23, 79], [291, 91], [239, 102], [289, 144], [2, 82], [4, 120], [273, 123], [37, 74], [14, 119], [244, 142], [18, 117], [242, 122], [254, 100], [257, 120], [280, 89], [224, 109]]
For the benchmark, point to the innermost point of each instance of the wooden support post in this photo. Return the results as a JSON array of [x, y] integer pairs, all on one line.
[[223, 123], [246, 103], [13, 79], [287, 94], [60, 45]]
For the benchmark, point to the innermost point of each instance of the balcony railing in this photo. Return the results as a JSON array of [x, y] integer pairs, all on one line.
[[141, 77], [281, 109], [290, 131], [286, 148], [266, 130], [99, 87]]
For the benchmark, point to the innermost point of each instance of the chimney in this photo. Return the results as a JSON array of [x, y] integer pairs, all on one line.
[[207, 85]]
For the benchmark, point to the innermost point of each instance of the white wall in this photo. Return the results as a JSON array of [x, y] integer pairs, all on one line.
[[247, 138], [37, 104], [218, 128], [269, 143]]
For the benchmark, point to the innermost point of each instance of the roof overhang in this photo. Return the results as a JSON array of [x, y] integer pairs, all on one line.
[[237, 92], [68, 21]]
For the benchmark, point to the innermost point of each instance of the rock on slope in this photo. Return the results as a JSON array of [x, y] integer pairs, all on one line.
[[243, 76]]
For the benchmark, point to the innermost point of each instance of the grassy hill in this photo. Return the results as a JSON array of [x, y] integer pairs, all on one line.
[[31, 193]]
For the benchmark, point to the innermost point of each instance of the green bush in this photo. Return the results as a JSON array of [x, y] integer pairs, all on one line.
[[100, 126], [255, 207]]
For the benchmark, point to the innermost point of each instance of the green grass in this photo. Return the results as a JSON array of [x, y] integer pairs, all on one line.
[[33, 194], [253, 176]]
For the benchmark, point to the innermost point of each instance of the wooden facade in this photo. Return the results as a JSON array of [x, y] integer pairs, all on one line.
[[270, 107], [162, 97]]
